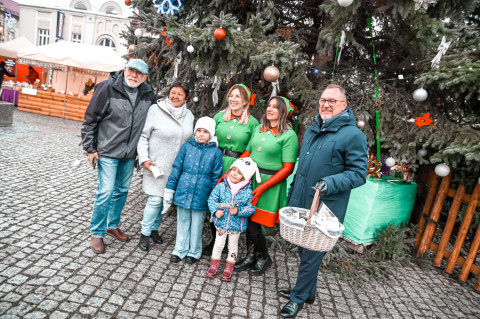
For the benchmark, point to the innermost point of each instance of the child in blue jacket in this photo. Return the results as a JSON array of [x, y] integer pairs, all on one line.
[[230, 207], [196, 170]]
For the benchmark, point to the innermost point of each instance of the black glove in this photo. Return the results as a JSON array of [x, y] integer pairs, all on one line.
[[322, 186]]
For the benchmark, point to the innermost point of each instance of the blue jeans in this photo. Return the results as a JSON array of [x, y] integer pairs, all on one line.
[[152, 214], [189, 233], [114, 177]]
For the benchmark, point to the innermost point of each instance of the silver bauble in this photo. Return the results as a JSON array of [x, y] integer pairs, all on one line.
[[190, 49], [138, 32], [420, 95], [131, 48], [442, 170], [271, 73], [390, 161], [195, 99], [345, 3], [422, 152], [361, 124]]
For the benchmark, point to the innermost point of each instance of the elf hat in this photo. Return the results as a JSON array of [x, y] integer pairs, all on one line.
[[208, 124], [251, 97], [289, 105], [248, 167]]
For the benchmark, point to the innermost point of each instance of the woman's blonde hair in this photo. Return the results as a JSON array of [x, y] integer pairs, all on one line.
[[228, 110]]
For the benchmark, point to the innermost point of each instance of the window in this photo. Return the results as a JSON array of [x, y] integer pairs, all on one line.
[[111, 10], [106, 43], [81, 6], [76, 37], [43, 36]]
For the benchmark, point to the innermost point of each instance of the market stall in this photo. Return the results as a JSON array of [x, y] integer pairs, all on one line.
[[72, 64]]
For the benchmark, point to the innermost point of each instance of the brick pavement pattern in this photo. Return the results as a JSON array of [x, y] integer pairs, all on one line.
[[47, 269]]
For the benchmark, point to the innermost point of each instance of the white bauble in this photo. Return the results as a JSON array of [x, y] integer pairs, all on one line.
[[390, 161], [422, 152], [442, 170], [195, 99], [420, 95], [190, 49], [345, 3], [361, 124], [138, 32]]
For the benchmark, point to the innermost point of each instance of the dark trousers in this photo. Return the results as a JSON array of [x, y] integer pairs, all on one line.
[[307, 275], [254, 233]]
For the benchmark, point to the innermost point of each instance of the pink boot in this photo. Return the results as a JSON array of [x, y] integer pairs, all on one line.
[[227, 273], [214, 265]]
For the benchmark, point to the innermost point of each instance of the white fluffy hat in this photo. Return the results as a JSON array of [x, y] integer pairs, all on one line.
[[248, 167], [208, 124]]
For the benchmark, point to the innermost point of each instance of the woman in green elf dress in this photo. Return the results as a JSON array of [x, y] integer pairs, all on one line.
[[274, 147], [234, 127]]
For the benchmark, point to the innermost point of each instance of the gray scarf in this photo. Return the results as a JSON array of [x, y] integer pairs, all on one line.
[[177, 112]]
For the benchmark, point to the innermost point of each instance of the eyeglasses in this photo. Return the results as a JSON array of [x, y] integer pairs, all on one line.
[[330, 102]]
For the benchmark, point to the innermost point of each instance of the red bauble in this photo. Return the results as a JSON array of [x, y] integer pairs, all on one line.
[[127, 2], [220, 34]]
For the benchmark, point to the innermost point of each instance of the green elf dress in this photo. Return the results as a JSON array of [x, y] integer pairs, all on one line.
[[270, 150], [233, 136]]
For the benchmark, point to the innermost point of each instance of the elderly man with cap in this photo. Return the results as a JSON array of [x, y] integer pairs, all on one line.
[[112, 127]]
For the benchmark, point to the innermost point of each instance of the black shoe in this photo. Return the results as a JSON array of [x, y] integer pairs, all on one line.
[[291, 309], [156, 237], [261, 265], [190, 260], [175, 259], [286, 294], [249, 260], [144, 243]]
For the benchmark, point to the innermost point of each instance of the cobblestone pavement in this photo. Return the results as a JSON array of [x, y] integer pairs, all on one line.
[[47, 269]]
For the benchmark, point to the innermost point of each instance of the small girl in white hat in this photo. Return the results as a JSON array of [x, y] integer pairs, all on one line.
[[230, 206]]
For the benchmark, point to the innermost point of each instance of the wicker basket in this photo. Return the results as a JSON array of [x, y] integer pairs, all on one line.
[[307, 236]]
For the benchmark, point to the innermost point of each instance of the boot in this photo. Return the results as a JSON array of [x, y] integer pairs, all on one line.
[[207, 250], [214, 265], [249, 260], [228, 272], [261, 265], [144, 243], [156, 237]]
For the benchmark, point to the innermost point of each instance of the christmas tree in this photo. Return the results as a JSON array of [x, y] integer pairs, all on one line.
[[381, 51]]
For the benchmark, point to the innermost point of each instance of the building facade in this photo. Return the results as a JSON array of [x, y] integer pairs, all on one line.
[[9, 17], [84, 21]]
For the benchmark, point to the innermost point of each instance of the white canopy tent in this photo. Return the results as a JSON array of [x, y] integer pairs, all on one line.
[[10, 49], [80, 59]]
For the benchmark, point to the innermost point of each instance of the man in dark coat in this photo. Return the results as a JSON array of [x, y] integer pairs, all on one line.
[[5, 70], [333, 158], [113, 123]]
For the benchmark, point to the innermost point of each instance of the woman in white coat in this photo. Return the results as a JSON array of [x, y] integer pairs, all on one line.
[[169, 124]]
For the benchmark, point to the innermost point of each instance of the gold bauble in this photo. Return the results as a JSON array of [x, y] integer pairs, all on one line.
[[271, 73]]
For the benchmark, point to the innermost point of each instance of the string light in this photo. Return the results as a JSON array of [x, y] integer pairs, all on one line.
[[167, 6]]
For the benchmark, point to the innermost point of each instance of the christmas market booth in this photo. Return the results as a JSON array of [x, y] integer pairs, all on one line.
[[76, 67]]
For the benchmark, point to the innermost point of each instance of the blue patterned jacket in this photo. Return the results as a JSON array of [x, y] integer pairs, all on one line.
[[222, 194], [195, 172]]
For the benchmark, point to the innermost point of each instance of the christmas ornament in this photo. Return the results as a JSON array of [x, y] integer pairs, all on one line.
[[374, 167], [361, 124], [131, 48], [178, 60], [423, 120], [423, 3], [271, 73], [290, 94], [403, 167], [138, 32], [340, 45], [164, 33], [220, 34], [345, 3], [422, 152], [420, 95], [190, 49], [215, 87], [167, 6], [442, 170], [127, 2], [390, 162], [195, 99], [442, 49]]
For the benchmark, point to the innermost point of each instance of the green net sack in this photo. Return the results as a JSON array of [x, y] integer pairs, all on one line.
[[374, 205]]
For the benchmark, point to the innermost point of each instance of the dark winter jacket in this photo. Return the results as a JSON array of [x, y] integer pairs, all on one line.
[[195, 173], [336, 152], [112, 125], [223, 194]]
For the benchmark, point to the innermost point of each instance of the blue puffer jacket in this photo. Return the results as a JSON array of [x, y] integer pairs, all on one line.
[[195, 173], [222, 194]]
